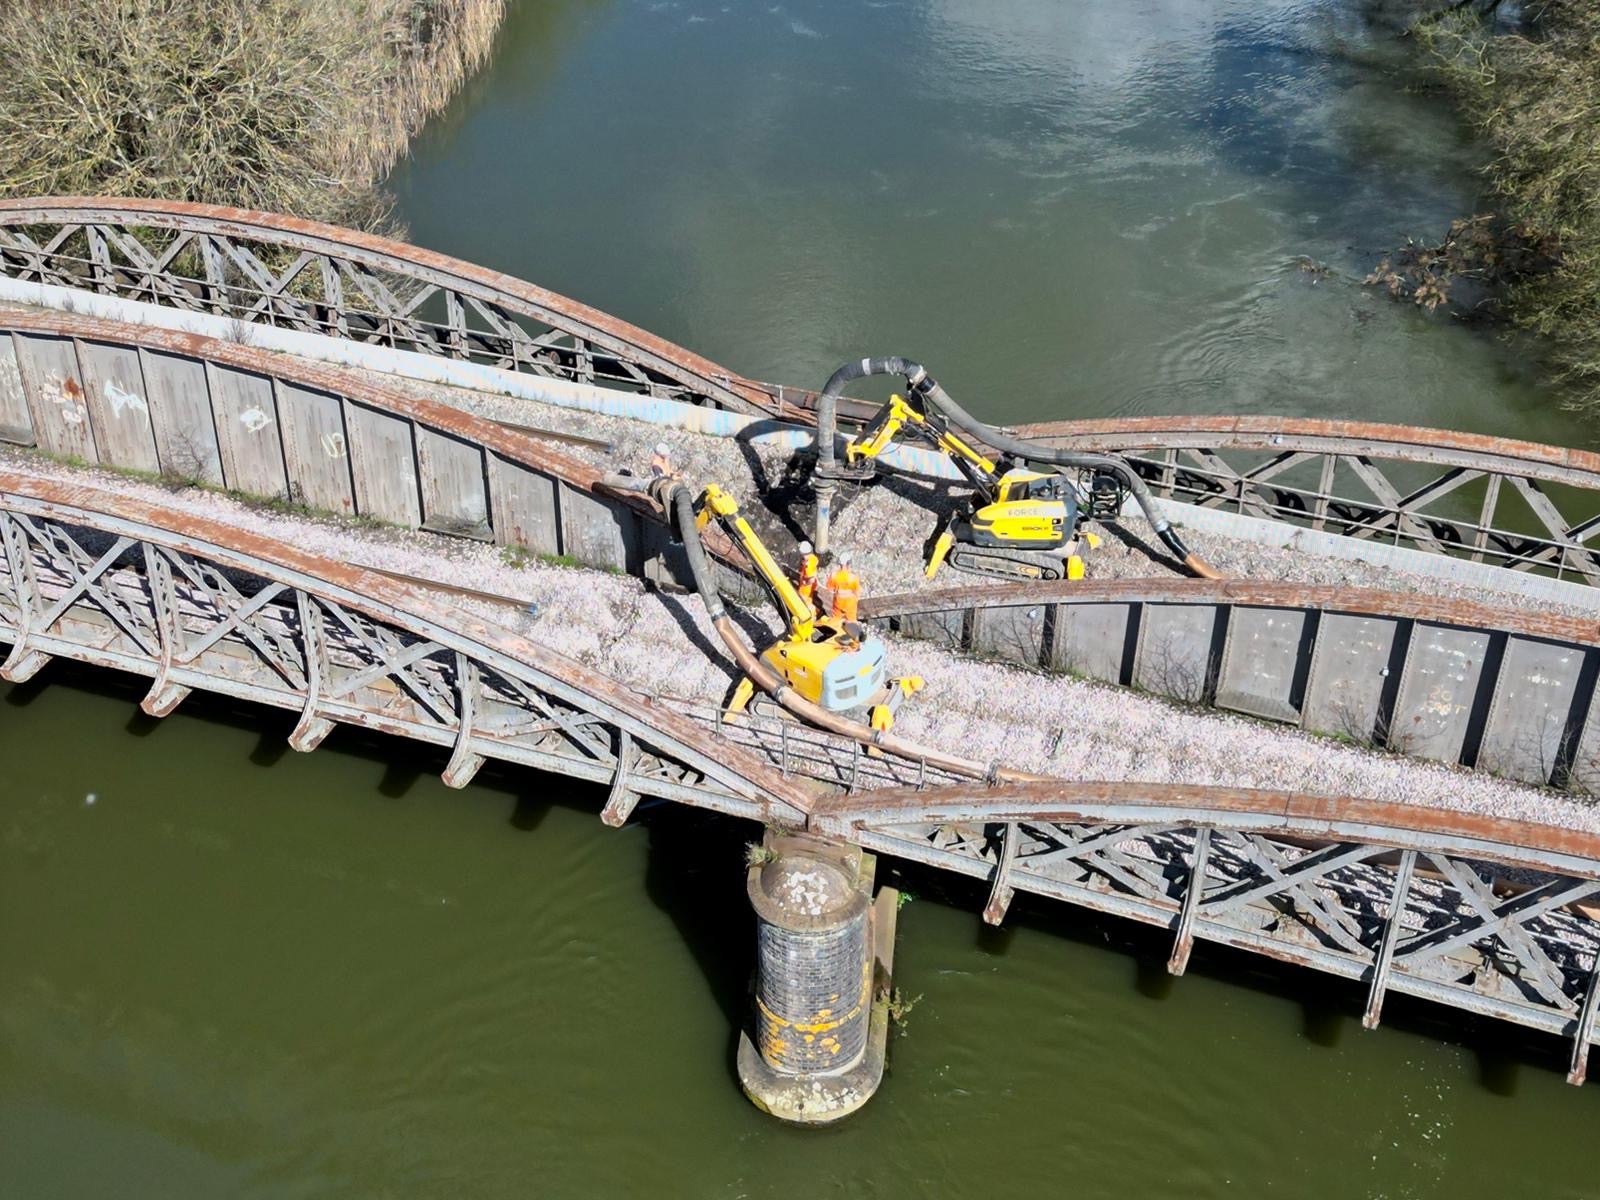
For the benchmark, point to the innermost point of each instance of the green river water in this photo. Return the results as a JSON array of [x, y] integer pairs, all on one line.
[[230, 970]]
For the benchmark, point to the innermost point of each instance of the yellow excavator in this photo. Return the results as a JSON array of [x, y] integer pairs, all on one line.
[[832, 663], [1018, 524]]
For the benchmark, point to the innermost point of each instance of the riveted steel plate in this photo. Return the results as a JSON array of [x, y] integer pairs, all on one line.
[[54, 387], [1260, 661], [249, 436], [315, 448], [1532, 703], [524, 506], [119, 409], [1174, 653], [1091, 640], [1014, 633], [1437, 690], [1349, 672], [383, 466], [455, 486], [180, 413], [16, 425]]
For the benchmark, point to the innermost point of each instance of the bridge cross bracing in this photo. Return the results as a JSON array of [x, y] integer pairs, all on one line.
[[1490, 917]]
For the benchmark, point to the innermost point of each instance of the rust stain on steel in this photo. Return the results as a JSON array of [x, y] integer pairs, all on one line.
[[1404, 442], [1299, 433], [1242, 592], [345, 583], [1522, 843], [524, 449], [383, 253]]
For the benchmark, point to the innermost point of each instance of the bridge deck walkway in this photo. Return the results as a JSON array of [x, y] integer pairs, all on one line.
[[662, 646]]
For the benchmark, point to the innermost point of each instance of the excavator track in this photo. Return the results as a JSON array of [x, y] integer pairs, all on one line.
[[1029, 565]]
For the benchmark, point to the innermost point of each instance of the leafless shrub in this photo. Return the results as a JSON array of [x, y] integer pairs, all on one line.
[[188, 460], [294, 106]]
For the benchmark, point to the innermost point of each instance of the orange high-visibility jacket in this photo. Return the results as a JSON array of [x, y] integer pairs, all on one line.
[[846, 590]]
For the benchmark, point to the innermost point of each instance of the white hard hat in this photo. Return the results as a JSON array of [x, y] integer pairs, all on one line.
[[844, 558], [805, 547], [663, 448]]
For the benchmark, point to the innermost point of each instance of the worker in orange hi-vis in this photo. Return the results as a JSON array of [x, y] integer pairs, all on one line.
[[805, 581], [844, 588]]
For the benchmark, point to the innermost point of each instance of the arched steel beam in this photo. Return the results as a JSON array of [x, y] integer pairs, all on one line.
[[196, 603], [1395, 897], [343, 283]]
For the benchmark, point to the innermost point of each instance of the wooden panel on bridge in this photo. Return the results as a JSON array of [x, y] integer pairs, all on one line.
[[1532, 706], [16, 425], [524, 507], [1438, 689], [383, 465], [1092, 639], [114, 394], [1261, 660], [316, 451], [180, 411], [455, 486], [54, 388], [249, 436]]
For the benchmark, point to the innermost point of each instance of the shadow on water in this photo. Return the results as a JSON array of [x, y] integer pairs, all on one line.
[[695, 875], [1330, 1007]]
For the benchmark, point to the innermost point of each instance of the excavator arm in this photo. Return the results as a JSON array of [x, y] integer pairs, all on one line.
[[716, 504], [892, 419]]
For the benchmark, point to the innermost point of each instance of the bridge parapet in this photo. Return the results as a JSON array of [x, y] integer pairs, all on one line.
[[1397, 898], [257, 267], [193, 603], [1505, 690], [1514, 504]]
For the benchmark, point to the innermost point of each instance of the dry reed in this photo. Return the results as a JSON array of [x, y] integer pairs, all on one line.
[[296, 106]]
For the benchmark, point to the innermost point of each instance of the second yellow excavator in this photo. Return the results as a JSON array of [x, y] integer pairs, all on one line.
[[833, 663], [1019, 523]]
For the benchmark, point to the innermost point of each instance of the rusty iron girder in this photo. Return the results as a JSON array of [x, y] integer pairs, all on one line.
[[192, 602], [260, 267], [1494, 917]]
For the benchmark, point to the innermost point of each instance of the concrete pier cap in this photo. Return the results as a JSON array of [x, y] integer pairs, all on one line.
[[816, 1049]]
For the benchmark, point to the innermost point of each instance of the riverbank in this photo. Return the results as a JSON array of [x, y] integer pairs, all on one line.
[[292, 106], [1527, 80]]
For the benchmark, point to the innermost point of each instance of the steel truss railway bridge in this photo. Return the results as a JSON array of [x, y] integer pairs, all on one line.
[[154, 337]]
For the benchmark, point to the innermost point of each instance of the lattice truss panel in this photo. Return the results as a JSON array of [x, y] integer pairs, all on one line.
[[367, 297], [1517, 945], [1487, 516], [80, 593]]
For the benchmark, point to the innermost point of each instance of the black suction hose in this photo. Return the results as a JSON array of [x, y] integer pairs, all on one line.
[[920, 383], [678, 502]]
